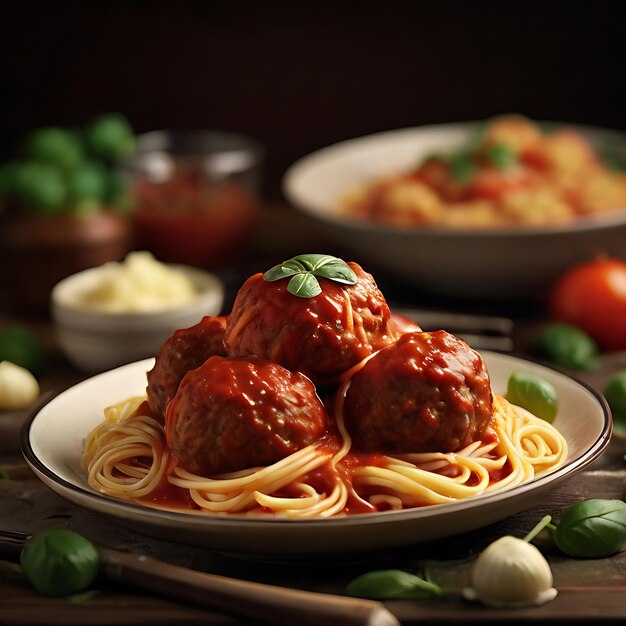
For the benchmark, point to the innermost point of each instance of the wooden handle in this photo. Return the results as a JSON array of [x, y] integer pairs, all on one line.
[[276, 605]]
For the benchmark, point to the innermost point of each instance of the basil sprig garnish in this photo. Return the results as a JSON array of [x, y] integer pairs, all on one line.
[[304, 270]]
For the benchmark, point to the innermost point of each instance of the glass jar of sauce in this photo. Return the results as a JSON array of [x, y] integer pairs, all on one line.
[[195, 195]]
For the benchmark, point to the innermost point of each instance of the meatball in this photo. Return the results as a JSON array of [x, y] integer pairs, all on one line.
[[321, 336], [430, 392], [185, 350], [233, 413]]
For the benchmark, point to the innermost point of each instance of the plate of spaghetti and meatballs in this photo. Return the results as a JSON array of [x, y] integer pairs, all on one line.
[[311, 419]]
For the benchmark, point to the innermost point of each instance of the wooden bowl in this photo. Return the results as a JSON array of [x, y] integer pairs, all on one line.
[[38, 251]]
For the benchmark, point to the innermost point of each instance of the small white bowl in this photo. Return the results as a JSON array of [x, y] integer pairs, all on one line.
[[95, 341]]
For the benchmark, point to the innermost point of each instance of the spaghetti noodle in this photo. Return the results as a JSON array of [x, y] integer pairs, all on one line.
[[126, 456]]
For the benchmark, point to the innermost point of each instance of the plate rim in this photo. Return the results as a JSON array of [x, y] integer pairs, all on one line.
[[154, 516]]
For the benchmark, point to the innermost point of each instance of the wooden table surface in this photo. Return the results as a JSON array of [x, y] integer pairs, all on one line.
[[590, 591]]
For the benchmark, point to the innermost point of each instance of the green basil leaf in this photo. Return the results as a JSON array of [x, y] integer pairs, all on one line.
[[284, 270], [304, 285], [311, 261], [391, 584], [502, 156], [60, 562], [303, 269], [534, 394], [279, 272], [294, 264], [592, 529], [337, 270], [568, 346]]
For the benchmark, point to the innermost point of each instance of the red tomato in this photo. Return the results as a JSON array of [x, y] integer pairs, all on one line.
[[592, 296]]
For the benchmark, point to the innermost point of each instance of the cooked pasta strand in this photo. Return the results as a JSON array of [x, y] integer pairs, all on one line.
[[126, 456]]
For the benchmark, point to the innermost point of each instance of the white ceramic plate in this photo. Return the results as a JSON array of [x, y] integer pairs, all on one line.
[[52, 443], [496, 262]]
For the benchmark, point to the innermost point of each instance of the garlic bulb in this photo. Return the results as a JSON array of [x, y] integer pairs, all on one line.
[[18, 387], [511, 572]]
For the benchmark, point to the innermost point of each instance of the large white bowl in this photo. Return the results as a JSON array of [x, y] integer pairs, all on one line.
[[95, 341], [503, 262]]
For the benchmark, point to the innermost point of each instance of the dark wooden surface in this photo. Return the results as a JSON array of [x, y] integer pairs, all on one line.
[[590, 591]]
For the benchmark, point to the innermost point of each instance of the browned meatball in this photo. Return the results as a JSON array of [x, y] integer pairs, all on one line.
[[321, 336], [430, 392], [185, 350], [232, 413]]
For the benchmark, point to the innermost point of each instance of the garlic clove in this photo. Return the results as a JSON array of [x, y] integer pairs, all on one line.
[[18, 387], [511, 572]]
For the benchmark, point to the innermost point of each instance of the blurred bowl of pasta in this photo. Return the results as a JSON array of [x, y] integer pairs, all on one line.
[[498, 208], [118, 313]]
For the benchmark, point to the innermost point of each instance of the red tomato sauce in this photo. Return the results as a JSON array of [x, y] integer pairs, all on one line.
[[170, 496], [322, 479]]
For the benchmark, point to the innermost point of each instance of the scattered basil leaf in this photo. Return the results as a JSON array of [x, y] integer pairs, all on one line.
[[4, 474], [60, 562], [568, 346], [304, 269], [502, 156], [461, 167], [534, 394], [392, 584], [592, 529]]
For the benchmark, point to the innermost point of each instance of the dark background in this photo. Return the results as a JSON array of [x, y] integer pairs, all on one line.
[[298, 75]]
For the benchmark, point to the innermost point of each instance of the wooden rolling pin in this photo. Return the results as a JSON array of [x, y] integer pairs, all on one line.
[[269, 603]]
